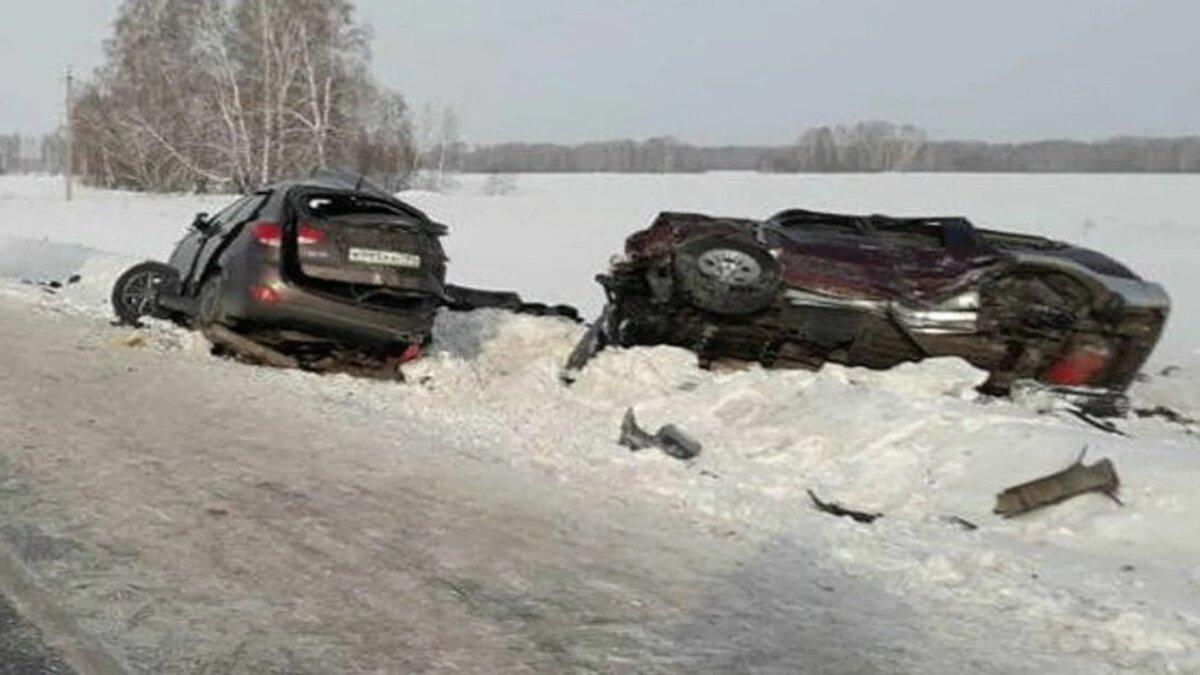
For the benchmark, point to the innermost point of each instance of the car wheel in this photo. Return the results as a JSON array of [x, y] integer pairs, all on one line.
[[135, 295], [727, 275]]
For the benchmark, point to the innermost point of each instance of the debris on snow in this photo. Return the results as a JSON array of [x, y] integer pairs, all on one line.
[[835, 509], [247, 348], [1170, 415], [1091, 420], [131, 341], [672, 440], [961, 523], [1073, 481]]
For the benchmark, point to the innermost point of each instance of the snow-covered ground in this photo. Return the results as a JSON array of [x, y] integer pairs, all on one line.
[[1091, 587]]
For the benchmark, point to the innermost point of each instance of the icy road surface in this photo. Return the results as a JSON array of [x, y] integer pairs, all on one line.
[[196, 515]]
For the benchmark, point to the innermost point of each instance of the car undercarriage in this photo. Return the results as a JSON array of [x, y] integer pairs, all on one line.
[[783, 296]]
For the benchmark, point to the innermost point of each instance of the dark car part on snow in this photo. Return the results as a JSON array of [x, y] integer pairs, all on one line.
[[463, 299], [835, 509], [804, 288], [1170, 415], [1095, 422], [672, 440], [960, 522], [1075, 480], [52, 286], [259, 353]]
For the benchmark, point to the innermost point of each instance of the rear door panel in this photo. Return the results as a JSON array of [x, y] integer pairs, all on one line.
[[386, 250]]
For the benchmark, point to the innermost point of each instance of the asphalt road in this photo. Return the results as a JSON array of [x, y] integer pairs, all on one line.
[[23, 650]]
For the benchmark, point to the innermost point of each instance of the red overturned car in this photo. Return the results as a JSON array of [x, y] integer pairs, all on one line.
[[803, 288]]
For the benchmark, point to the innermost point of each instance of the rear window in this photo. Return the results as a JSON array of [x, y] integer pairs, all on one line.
[[327, 207]]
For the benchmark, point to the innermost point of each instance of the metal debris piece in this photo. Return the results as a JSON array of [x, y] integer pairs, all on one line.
[[835, 509], [247, 348], [677, 443], [1073, 481], [1091, 420], [593, 340], [672, 440], [1169, 415], [632, 436], [961, 523]]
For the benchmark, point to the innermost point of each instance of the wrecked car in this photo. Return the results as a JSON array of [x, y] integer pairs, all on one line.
[[312, 272], [803, 288]]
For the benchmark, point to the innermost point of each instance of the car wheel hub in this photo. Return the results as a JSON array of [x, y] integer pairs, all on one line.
[[730, 266], [141, 291]]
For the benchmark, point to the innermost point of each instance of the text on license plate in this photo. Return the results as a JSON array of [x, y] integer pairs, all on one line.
[[370, 256]]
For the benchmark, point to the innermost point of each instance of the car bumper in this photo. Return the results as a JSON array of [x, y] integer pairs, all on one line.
[[269, 301]]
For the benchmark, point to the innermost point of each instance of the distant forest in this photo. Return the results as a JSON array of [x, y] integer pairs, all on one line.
[[864, 147], [861, 148]]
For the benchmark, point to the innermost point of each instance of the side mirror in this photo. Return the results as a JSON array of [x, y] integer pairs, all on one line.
[[200, 222]]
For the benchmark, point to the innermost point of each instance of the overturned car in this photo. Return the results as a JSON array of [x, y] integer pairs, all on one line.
[[803, 288], [318, 273]]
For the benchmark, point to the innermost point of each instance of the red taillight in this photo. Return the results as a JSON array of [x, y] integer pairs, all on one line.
[[268, 234], [271, 234], [1077, 368], [307, 235], [411, 353], [264, 294]]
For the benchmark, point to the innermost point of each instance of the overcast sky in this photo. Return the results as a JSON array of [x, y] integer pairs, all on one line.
[[725, 71]]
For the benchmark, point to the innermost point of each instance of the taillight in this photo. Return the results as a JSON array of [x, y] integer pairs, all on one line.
[[411, 353], [268, 234], [264, 294], [1077, 368], [307, 235], [271, 234]]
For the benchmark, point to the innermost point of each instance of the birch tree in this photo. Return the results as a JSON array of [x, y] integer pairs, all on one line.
[[236, 93]]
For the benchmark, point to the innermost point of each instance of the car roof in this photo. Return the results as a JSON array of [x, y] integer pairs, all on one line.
[[345, 181]]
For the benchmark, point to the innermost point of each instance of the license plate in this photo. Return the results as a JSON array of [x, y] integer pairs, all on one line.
[[370, 256]]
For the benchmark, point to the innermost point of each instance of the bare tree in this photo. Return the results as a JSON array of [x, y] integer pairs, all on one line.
[[237, 93]]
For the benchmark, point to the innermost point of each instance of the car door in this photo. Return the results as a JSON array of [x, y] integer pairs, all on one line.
[[188, 250], [223, 228]]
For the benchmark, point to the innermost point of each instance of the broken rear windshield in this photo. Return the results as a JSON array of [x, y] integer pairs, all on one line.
[[330, 206]]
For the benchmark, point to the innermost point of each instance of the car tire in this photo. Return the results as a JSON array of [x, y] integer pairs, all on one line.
[[135, 294], [727, 275]]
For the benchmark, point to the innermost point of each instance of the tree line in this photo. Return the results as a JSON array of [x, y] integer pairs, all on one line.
[[31, 154], [863, 147]]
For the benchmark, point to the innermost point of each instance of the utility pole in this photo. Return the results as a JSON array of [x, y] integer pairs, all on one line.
[[69, 169]]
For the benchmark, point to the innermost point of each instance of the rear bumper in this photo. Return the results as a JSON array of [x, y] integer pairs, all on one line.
[[293, 307]]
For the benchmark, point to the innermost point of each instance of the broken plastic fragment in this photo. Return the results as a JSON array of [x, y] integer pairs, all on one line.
[[672, 440]]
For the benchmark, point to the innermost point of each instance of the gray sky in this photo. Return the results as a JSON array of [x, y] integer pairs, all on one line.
[[726, 71]]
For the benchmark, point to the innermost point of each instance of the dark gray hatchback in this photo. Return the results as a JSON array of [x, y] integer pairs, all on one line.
[[327, 259]]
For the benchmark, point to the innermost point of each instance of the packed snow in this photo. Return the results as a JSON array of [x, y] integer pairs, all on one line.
[[1108, 588]]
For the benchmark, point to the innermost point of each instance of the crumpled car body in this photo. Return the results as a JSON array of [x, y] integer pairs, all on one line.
[[329, 269], [803, 288]]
